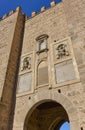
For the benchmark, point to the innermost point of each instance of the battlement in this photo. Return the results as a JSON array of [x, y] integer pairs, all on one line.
[[33, 14], [18, 9]]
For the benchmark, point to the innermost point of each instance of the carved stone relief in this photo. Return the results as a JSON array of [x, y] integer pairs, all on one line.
[[63, 61], [26, 63], [61, 51], [25, 74]]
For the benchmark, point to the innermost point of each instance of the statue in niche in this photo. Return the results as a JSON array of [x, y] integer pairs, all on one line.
[[62, 51], [26, 63]]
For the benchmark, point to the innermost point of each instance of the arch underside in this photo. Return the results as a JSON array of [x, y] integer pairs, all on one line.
[[46, 116]]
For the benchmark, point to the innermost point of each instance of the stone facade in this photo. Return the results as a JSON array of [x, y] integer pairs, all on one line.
[[51, 79]]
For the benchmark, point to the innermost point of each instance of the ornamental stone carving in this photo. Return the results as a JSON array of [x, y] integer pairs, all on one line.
[[26, 63], [61, 51]]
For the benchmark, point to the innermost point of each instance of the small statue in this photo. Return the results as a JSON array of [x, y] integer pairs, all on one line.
[[62, 51], [26, 63]]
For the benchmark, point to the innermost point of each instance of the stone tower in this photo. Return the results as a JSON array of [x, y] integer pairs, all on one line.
[[51, 78], [11, 36]]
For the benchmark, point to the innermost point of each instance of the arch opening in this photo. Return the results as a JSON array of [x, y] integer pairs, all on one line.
[[65, 126], [49, 115]]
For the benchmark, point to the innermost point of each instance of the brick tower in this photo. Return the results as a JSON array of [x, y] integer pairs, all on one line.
[[50, 89]]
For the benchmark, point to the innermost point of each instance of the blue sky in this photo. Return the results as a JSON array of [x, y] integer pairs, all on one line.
[[65, 126], [27, 7]]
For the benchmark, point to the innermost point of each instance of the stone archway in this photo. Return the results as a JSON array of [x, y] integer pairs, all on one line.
[[65, 104], [46, 116]]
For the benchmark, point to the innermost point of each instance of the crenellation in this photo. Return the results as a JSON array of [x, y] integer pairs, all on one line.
[[26, 17], [53, 3], [34, 13], [43, 9], [19, 9], [5, 16], [11, 12]]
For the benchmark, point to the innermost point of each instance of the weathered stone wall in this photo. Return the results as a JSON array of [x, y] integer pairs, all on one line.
[[51, 22], [13, 33], [63, 24], [7, 28], [75, 15]]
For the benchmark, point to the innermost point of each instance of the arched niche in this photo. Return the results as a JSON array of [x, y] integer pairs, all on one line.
[[42, 73]]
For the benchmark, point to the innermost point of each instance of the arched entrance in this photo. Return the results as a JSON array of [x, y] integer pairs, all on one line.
[[65, 126], [48, 115]]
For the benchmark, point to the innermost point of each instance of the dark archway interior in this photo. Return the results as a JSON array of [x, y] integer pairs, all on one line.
[[46, 116]]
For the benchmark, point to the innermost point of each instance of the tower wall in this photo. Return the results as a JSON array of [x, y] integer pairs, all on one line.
[[75, 15], [11, 44], [7, 28], [52, 65], [62, 23]]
